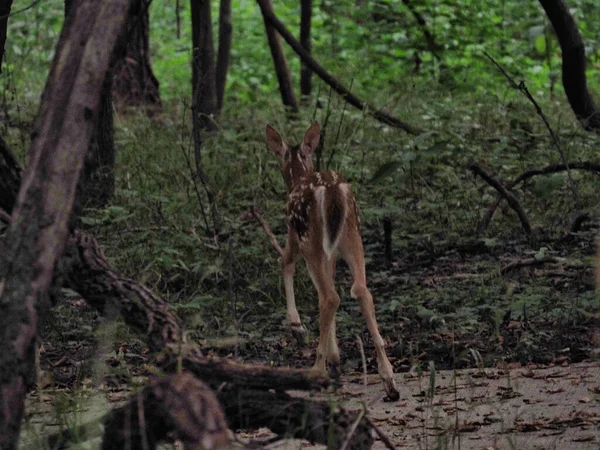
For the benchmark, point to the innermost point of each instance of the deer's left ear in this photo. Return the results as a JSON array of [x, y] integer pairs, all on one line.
[[275, 141], [311, 139]]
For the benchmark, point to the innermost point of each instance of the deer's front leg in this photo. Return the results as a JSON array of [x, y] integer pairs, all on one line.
[[288, 264]]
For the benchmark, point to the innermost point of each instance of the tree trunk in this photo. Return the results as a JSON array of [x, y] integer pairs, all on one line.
[[573, 64], [5, 6], [270, 18], [10, 177], [38, 231], [225, 30], [96, 185], [134, 82], [97, 182], [305, 24], [204, 95], [282, 69]]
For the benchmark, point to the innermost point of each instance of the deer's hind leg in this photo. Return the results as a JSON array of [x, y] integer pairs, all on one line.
[[327, 350], [353, 253]]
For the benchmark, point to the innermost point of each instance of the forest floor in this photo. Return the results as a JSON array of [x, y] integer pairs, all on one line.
[[507, 375], [533, 407]]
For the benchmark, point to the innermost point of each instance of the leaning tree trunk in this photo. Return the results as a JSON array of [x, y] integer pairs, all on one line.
[[573, 64], [97, 183], [5, 6], [305, 24], [38, 230], [134, 83], [204, 91], [225, 30], [282, 68]]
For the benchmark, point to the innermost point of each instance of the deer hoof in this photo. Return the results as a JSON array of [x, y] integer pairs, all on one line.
[[299, 333]]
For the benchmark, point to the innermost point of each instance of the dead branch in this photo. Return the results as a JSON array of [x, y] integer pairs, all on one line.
[[306, 58], [92, 276], [384, 438], [175, 403], [528, 262], [268, 231], [553, 168], [511, 199], [523, 88], [317, 421], [433, 46]]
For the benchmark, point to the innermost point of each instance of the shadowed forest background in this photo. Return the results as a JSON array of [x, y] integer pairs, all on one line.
[[474, 106]]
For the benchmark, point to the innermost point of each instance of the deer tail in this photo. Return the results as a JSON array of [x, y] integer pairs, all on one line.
[[333, 207]]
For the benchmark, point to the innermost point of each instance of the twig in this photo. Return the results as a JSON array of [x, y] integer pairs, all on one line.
[[528, 263], [361, 349], [424, 29], [523, 88], [352, 429], [510, 198], [553, 168], [268, 231], [381, 434]]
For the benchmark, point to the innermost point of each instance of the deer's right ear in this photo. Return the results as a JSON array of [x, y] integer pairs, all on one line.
[[274, 141]]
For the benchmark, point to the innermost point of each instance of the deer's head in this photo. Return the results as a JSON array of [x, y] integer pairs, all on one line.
[[296, 161]]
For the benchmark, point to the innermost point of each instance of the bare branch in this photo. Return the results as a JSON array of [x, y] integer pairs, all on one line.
[[268, 231], [510, 198], [306, 57]]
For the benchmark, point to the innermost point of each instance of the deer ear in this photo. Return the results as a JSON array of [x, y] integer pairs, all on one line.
[[274, 141], [311, 138]]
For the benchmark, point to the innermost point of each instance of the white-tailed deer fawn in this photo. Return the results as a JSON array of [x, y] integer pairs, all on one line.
[[323, 220]]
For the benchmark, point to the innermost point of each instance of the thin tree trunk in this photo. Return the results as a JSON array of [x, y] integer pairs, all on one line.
[[225, 30], [573, 64], [38, 231], [270, 17], [5, 6], [134, 82], [282, 68], [204, 95], [305, 25]]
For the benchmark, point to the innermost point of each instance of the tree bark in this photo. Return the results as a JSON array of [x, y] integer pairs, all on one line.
[[10, 177], [338, 87], [134, 83], [305, 25], [38, 231], [5, 6], [175, 403], [97, 182], [225, 31], [282, 68], [573, 64], [204, 95]]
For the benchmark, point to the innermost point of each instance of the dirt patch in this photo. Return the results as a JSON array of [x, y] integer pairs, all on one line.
[[524, 408]]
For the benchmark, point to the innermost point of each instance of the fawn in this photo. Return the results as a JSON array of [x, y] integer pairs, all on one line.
[[323, 220]]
